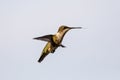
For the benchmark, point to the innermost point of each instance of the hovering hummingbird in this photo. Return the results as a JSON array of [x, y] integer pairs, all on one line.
[[54, 41]]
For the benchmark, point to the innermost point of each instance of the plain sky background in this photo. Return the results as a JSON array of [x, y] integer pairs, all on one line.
[[92, 53]]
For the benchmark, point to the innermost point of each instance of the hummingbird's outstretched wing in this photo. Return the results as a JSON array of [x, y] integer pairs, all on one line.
[[49, 38]]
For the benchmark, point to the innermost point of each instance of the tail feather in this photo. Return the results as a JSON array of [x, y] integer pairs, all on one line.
[[42, 57]]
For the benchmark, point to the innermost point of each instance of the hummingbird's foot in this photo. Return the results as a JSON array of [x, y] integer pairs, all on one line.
[[62, 46], [52, 51]]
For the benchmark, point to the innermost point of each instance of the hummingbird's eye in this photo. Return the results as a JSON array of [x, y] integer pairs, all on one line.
[[65, 27]]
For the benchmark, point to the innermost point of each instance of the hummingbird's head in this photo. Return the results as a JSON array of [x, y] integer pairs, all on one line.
[[64, 28]]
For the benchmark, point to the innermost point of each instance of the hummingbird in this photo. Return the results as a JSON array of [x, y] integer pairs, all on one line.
[[54, 41]]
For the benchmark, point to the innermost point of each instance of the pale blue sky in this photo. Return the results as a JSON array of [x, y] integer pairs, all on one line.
[[92, 53]]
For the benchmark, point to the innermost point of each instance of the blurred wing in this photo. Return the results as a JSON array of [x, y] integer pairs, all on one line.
[[44, 38], [47, 38]]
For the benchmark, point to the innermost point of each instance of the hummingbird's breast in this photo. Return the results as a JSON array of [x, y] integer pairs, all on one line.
[[57, 38]]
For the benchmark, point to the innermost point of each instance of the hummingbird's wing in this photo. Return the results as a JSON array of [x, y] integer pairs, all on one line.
[[47, 38]]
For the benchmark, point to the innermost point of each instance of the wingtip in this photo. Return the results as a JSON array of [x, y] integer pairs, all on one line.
[[35, 38]]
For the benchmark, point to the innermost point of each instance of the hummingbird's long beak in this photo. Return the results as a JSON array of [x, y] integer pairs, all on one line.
[[75, 27]]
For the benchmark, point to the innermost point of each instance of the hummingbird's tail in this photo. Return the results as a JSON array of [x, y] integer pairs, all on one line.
[[42, 57]]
